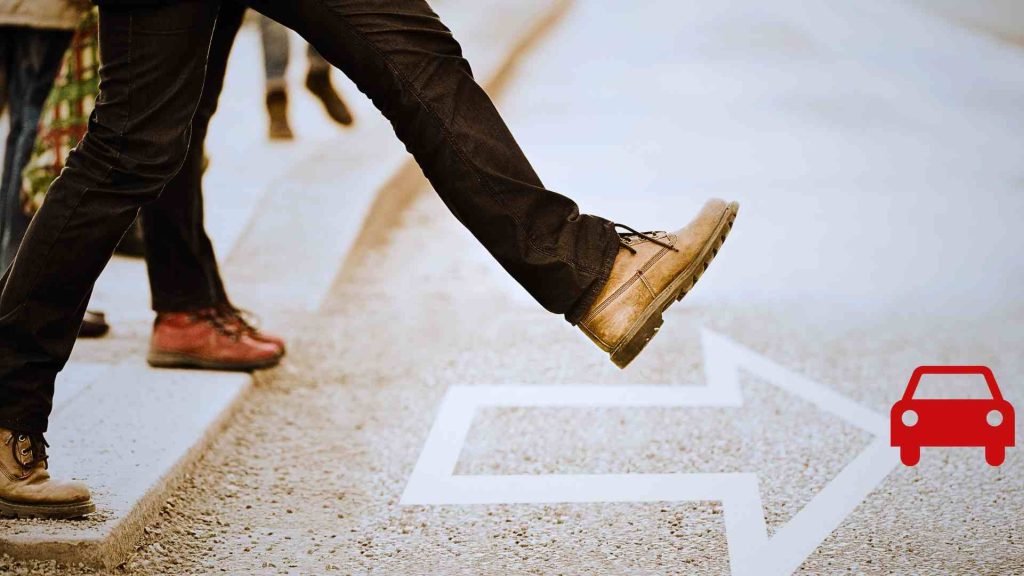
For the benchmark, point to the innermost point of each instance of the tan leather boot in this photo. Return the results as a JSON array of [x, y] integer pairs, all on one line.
[[651, 271], [26, 489]]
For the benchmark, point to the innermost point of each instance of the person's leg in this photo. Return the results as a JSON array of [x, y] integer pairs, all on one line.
[[8, 36], [318, 81], [180, 260], [613, 286], [317, 63], [151, 81], [194, 327], [5, 64], [34, 59], [276, 53], [400, 54]]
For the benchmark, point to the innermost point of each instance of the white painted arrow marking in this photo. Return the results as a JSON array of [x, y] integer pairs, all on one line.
[[433, 481]]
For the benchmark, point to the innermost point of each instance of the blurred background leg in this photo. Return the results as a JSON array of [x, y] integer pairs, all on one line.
[[318, 81], [276, 52]]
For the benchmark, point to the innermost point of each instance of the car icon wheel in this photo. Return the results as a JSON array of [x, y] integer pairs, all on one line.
[[911, 455], [994, 455]]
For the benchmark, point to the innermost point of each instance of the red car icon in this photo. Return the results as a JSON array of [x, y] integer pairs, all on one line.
[[951, 422]]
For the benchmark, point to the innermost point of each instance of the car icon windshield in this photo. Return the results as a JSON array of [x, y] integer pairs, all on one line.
[[952, 383], [952, 386]]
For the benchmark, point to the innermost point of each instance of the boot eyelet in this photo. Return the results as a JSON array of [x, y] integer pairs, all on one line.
[[24, 451], [21, 438]]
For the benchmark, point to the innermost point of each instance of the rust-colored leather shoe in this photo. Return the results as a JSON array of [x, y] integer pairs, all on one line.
[[202, 339], [26, 489], [651, 271], [245, 321]]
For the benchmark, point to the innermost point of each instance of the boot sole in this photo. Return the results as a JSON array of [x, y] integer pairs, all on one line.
[[179, 360], [48, 511], [650, 320]]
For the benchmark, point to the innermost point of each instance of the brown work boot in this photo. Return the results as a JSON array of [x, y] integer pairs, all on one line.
[[202, 339], [277, 109], [651, 271], [319, 83], [26, 489], [245, 322]]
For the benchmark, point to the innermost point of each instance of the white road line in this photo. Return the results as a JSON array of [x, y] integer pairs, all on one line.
[[433, 481]]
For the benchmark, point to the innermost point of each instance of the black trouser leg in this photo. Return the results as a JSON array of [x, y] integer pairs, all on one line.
[[396, 51], [183, 271], [151, 78], [400, 54]]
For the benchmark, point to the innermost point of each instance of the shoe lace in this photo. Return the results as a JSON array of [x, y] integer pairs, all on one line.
[[245, 321], [37, 446], [216, 318], [649, 236]]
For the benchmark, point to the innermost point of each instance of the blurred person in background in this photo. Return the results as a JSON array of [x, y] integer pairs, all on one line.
[[33, 39], [276, 54], [613, 285], [196, 324]]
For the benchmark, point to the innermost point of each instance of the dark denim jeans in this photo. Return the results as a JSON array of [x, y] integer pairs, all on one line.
[[29, 61], [182, 265], [396, 51]]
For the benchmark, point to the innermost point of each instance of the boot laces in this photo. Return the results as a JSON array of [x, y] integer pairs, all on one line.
[[649, 236], [220, 323], [243, 320], [37, 446]]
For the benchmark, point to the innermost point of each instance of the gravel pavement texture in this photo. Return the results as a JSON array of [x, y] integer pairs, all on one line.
[[308, 477]]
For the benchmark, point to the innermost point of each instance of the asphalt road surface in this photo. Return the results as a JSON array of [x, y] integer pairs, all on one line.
[[431, 419]]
